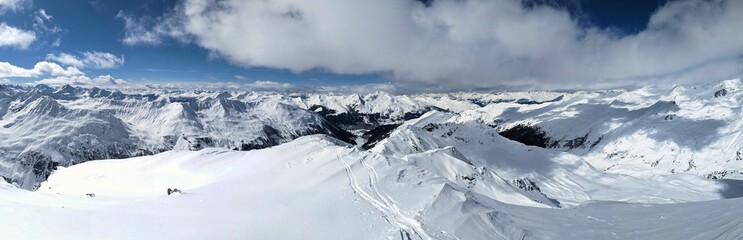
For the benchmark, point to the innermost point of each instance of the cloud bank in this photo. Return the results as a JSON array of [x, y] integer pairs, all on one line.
[[54, 74], [93, 60], [478, 43], [43, 68], [82, 80]]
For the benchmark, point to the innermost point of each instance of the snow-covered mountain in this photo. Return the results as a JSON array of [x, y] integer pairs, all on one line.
[[42, 127], [642, 132], [649, 163], [639, 132], [317, 187]]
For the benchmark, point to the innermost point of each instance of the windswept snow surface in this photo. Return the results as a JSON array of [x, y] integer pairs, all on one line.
[[316, 187]]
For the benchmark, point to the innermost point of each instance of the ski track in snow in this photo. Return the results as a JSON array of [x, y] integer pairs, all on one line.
[[374, 184], [390, 211]]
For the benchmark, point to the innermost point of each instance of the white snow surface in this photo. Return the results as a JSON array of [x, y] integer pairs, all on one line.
[[644, 163], [316, 187], [643, 132], [42, 126]]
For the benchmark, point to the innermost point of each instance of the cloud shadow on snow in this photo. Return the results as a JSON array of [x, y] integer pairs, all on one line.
[[733, 188]]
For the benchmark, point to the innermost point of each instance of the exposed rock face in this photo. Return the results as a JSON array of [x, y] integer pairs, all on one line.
[[525, 184], [721, 93], [378, 134], [528, 135]]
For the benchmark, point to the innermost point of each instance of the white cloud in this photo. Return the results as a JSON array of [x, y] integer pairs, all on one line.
[[240, 77], [14, 37], [12, 5], [54, 74], [108, 80], [66, 59], [101, 60], [478, 43], [54, 69], [189, 85], [145, 31], [82, 80], [367, 88], [136, 33], [40, 69], [219, 86], [79, 80], [42, 16], [45, 27], [94, 60], [263, 85]]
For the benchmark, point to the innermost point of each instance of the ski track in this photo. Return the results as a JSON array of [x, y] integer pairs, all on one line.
[[390, 211], [374, 183]]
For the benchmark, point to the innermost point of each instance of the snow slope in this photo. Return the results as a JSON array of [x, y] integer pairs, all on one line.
[[316, 187], [642, 132], [566, 179]]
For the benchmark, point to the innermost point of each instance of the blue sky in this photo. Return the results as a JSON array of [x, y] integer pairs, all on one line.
[[99, 26], [93, 26]]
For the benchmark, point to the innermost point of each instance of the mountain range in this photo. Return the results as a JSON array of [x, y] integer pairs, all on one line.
[[652, 162]]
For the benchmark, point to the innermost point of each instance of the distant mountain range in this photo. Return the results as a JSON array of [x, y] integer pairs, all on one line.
[[640, 132]]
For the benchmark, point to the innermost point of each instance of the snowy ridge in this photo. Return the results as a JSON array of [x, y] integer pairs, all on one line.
[[44, 127], [566, 179], [643, 132], [317, 187]]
